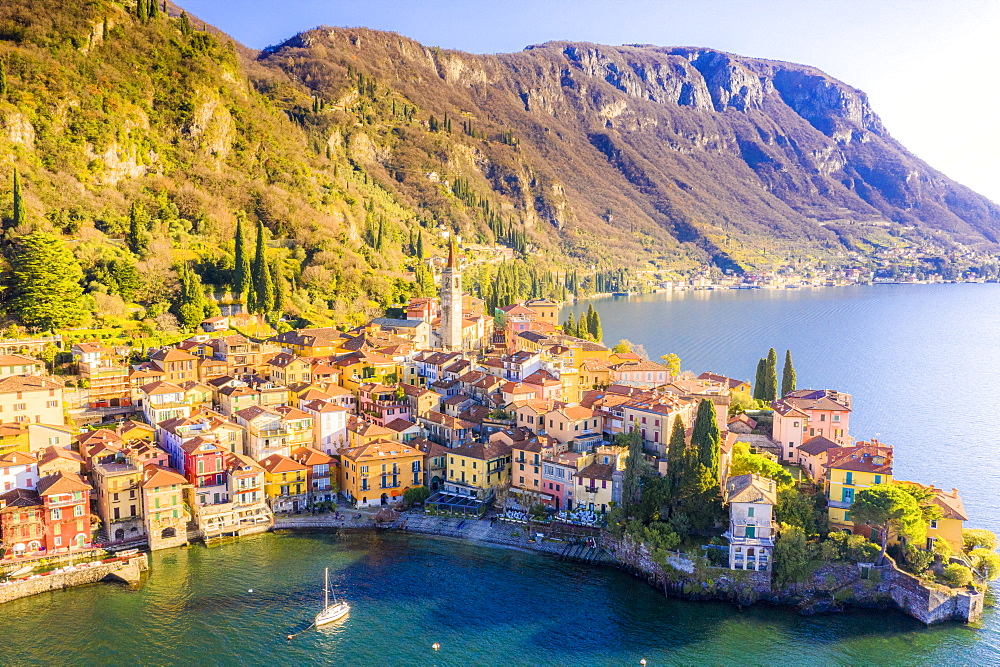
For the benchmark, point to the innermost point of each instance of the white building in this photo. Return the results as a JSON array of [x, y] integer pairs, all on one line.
[[329, 425], [751, 533]]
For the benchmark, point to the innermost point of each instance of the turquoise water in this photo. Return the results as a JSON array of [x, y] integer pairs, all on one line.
[[922, 362], [484, 606]]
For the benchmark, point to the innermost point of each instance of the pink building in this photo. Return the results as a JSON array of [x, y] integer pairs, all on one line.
[[382, 404]]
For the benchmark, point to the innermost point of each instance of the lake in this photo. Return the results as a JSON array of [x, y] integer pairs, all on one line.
[[921, 362]]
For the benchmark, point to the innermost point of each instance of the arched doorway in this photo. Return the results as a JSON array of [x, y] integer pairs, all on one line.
[[120, 534], [34, 545], [385, 499], [81, 541], [168, 533]]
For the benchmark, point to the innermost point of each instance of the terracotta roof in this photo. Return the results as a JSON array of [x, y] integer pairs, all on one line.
[[16, 459], [817, 445], [252, 412], [18, 360], [323, 406], [172, 354], [873, 457], [596, 471], [311, 457], [18, 498], [27, 383], [157, 476], [400, 425], [380, 449], [156, 388], [483, 451], [60, 483], [288, 412], [277, 463]]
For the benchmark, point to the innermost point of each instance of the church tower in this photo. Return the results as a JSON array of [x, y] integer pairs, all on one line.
[[451, 302]]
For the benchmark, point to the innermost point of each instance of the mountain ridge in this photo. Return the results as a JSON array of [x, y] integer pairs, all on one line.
[[350, 145]]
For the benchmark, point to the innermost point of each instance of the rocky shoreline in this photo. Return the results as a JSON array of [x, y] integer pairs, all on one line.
[[832, 587]]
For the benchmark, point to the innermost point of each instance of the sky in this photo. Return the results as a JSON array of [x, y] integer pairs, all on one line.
[[929, 67]]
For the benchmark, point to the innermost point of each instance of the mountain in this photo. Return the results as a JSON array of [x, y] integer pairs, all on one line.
[[355, 147]]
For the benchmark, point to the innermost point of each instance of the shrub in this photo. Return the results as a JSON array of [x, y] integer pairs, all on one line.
[[956, 575], [853, 547], [791, 555], [916, 560], [986, 562], [416, 495]]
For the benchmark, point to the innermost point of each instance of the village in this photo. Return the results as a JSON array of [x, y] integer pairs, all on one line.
[[507, 417]]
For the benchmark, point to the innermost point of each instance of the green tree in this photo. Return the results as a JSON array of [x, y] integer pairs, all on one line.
[[888, 507], [676, 459], [636, 468], [787, 375], [796, 509], [673, 363], [421, 254], [791, 555], [154, 11], [771, 375], [20, 213], [241, 270], [260, 294], [3, 79], [142, 10], [45, 282], [594, 324], [760, 382], [569, 326], [278, 278], [416, 495], [986, 563], [624, 346], [137, 238], [706, 439], [744, 461], [979, 538]]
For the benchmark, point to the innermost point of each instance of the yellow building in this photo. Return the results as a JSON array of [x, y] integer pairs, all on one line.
[[850, 470], [321, 342], [14, 438], [478, 469], [378, 472], [286, 483], [950, 525]]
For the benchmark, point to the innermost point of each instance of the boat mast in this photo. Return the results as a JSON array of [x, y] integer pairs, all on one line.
[[326, 588]]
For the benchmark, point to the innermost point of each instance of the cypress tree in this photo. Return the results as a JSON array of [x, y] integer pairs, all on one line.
[[569, 326], [267, 289], [3, 79], [241, 272], [277, 276], [760, 382], [771, 370], [137, 239], [788, 375], [153, 9], [594, 322], [675, 456], [258, 302], [45, 285], [142, 10], [20, 213], [635, 468], [706, 439]]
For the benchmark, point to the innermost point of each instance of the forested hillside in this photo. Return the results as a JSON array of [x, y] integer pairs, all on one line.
[[144, 140]]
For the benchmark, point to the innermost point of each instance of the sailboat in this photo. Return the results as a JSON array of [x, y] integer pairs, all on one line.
[[331, 612]]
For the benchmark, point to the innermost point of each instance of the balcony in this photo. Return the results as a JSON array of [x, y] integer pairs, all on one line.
[[840, 504]]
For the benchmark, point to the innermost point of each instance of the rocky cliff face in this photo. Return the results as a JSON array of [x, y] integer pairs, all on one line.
[[703, 152]]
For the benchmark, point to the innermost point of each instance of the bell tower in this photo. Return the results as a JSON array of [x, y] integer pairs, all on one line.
[[451, 302]]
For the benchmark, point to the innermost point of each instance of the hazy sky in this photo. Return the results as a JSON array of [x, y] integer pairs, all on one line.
[[929, 67]]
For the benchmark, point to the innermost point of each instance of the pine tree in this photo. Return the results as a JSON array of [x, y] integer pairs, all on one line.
[[20, 214], [760, 381], [241, 270], [771, 375], [788, 375], [706, 439], [45, 284]]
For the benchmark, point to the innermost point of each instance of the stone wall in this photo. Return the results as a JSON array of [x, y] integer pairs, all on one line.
[[128, 569]]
